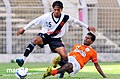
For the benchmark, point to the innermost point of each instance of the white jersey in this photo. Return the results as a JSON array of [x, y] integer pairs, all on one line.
[[49, 23]]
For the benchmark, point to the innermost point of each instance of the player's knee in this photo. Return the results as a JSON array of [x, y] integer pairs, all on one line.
[[37, 40], [65, 57], [69, 67]]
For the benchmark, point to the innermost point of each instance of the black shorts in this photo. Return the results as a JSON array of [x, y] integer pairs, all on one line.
[[53, 42]]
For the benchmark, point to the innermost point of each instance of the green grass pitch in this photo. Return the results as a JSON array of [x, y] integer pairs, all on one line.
[[36, 70]]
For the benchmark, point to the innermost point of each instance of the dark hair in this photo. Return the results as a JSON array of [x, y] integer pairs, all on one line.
[[93, 36], [57, 3]]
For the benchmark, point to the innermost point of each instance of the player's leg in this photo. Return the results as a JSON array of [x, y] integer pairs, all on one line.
[[65, 68], [62, 52], [48, 72], [55, 61], [71, 59], [72, 67], [76, 65], [38, 40], [64, 58], [57, 46]]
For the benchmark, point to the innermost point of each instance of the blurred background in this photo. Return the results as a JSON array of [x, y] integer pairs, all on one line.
[[104, 15]]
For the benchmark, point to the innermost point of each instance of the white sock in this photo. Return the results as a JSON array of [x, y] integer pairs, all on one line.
[[24, 58]]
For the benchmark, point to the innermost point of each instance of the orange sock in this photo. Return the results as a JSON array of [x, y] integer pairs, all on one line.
[[54, 72]]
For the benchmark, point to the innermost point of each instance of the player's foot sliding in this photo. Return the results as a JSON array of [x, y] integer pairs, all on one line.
[[20, 62], [55, 61], [48, 73]]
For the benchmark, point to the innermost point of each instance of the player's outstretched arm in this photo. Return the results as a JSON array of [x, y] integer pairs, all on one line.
[[33, 23], [90, 28], [100, 70]]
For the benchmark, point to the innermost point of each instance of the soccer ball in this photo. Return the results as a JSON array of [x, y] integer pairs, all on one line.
[[21, 73]]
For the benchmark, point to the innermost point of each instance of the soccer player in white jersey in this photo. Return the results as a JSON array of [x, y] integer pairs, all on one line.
[[53, 28]]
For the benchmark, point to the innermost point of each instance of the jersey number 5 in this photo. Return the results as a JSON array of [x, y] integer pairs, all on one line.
[[48, 24]]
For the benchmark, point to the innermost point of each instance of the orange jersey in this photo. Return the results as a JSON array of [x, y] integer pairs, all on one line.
[[83, 54]]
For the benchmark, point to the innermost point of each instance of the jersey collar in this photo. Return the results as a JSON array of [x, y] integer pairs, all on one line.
[[54, 19]]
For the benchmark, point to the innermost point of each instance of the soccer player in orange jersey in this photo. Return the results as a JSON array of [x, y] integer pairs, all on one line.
[[78, 57]]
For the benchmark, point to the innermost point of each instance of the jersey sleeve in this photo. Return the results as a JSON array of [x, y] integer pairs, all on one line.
[[35, 22], [76, 21], [94, 57], [74, 47]]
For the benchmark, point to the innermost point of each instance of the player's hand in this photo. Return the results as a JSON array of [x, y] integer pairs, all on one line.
[[91, 28], [20, 31]]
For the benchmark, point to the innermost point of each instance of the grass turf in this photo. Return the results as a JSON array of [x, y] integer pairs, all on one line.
[[36, 70]]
